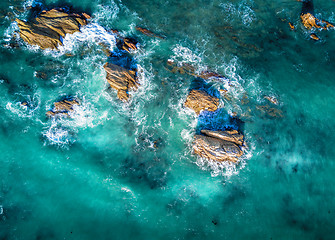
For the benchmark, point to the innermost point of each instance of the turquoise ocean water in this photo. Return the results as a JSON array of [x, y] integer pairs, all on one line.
[[126, 171]]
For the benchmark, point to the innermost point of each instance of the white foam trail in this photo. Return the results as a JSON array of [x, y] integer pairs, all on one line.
[[91, 33]]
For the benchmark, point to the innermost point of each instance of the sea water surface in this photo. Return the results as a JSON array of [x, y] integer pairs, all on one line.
[[126, 170]]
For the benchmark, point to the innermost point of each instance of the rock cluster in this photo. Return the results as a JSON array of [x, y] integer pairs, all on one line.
[[219, 145], [310, 21], [62, 108], [121, 79], [199, 100], [49, 27]]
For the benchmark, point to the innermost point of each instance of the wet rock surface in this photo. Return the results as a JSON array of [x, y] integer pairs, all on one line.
[[231, 136], [62, 108], [50, 27], [219, 145], [310, 21], [121, 79], [191, 70], [199, 100]]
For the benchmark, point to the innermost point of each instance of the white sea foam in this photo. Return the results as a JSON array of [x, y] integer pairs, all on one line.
[[62, 130], [243, 11], [91, 33]]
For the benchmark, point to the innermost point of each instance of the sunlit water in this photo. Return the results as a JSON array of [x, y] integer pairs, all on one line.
[[126, 170]]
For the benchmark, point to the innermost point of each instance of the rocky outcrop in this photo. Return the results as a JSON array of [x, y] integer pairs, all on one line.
[[310, 21], [219, 145], [127, 44], [199, 100], [49, 27], [121, 79], [62, 108]]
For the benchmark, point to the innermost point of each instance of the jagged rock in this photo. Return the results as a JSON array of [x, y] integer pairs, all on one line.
[[291, 26], [148, 32], [230, 136], [216, 149], [314, 37], [47, 29], [199, 100], [121, 80], [62, 108], [309, 21], [127, 44]]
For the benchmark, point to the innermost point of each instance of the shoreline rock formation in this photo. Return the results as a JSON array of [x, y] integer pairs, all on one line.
[[62, 108], [219, 145], [48, 29], [199, 100], [121, 79]]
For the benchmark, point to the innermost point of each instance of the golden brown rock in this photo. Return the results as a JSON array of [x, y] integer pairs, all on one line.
[[216, 149], [62, 108], [129, 44], [291, 26], [314, 37], [47, 29], [310, 22], [121, 80], [199, 100], [230, 136]]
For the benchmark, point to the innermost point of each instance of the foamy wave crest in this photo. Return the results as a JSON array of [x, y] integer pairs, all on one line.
[[92, 33], [185, 55], [106, 13], [62, 130], [58, 135]]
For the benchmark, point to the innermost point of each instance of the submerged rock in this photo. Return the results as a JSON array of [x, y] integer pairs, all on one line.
[[121, 79], [49, 27], [63, 107], [199, 100], [148, 32], [219, 145], [310, 21], [127, 44]]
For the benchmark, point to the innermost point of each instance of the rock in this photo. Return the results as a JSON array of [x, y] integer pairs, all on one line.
[[148, 32], [216, 149], [291, 26], [62, 108], [190, 70], [230, 136], [314, 37], [199, 100], [121, 79], [127, 44], [47, 29], [309, 21]]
